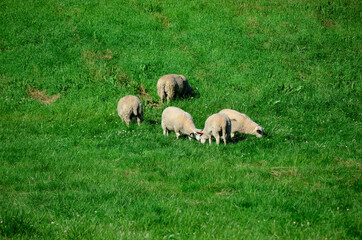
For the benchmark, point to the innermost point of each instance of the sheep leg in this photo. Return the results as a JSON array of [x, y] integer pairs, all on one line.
[[127, 122], [127, 118], [164, 128], [161, 93], [210, 140], [217, 137], [224, 135], [139, 121], [170, 95], [177, 135], [165, 131]]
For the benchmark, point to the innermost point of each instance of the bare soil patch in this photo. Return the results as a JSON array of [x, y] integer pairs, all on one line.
[[42, 97]]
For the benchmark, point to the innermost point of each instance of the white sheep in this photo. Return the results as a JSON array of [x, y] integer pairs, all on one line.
[[176, 119], [129, 108], [216, 125], [241, 123], [172, 85]]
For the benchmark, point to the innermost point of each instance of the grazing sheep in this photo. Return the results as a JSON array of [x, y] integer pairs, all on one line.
[[171, 85], [242, 123], [216, 125], [176, 119], [130, 107]]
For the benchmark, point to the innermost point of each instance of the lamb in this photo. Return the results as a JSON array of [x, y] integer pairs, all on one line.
[[129, 108], [242, 123], [214, 125], [176, 119], [171, 85]]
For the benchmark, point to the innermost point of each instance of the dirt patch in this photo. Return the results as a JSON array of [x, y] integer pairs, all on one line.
[[42, 97], [142, 93], [153, 105], [149, 103], [122, 77]]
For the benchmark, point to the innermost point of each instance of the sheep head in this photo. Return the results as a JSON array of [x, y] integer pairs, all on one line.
[[258, 132], [197, 134]]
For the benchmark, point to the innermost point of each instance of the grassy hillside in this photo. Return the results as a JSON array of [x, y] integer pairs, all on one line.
[[70, 169]]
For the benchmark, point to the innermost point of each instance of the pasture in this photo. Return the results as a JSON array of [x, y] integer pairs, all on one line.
[[70, 169]]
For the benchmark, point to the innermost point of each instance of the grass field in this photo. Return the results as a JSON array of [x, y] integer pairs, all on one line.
[[70, 169]]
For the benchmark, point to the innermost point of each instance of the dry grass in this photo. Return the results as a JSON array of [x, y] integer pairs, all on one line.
[[279, 172], [97, 63], [350, 163], [165, 22], [90, 56], [144, 95], [42, 97]]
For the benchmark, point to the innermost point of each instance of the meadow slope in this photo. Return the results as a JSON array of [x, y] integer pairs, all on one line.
[[70, 169]]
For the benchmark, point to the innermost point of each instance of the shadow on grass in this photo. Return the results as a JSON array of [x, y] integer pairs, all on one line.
[[242, 137], [237, 138], [16, 223], [194, 95], [152, 122], [267, 136]]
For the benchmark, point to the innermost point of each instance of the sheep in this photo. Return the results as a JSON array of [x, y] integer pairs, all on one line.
[[171, 85], [242, 123], [214, 125], [130, 107], [176, 119]]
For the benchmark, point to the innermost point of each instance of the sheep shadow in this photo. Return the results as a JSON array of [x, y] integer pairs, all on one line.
[[151, 122], [242, 137], [194, 95], [237, 138]]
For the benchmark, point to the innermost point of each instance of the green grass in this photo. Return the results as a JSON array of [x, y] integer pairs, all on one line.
[[72, 170]]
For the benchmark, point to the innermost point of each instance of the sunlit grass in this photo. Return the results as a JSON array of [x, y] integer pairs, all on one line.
[[71, 169]]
